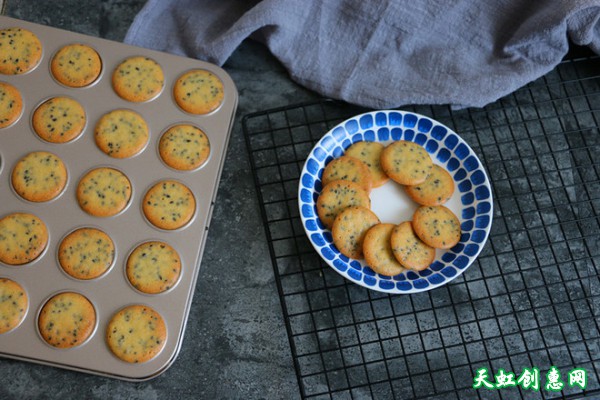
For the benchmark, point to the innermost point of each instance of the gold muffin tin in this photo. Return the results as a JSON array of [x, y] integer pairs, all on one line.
[[110, 292]]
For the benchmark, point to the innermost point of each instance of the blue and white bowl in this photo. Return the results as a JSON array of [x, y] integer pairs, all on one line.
[[471, 202]]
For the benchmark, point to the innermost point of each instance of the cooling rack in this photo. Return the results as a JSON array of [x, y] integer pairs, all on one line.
[[531, 299]]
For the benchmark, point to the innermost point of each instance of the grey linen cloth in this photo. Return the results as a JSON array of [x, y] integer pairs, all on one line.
[[383, 53]]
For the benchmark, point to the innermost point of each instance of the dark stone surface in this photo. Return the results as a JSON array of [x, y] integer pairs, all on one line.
[[235, 344]]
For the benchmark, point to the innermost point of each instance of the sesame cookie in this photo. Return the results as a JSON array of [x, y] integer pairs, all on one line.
[[347, 168], [20, 51], [59, 120], [406, 162], [76, 65], [121, 133], [86, 253], [23, 237], [11, 104], [337, 196], [436, 190], [349, 229], [67, 320], [138, 79], [103, 192], [378, 250], [408, 249], [13, 304], [437, 226], [169, 205], [198, 92], [184, 147], [370, 154], [39, 176], [153, 267], [136, 334]]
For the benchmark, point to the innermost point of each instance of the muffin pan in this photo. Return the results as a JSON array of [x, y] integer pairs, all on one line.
[[111, 291]]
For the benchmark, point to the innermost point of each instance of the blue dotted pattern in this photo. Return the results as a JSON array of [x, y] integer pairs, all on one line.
[[443, 145]]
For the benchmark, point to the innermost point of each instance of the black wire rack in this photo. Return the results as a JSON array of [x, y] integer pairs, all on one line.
[[530, 300]]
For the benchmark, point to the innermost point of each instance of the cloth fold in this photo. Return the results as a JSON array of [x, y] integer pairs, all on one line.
[[386, 53]]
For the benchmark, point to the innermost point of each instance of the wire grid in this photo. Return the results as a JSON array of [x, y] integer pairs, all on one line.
[[531, 299]]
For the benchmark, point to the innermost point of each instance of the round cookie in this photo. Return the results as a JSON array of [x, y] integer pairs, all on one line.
[[20, 51], [39, 176], [409, 250], [337, 196], [136, 334], [347, 168], [184, 147], [153, 267], [370, 154], [11, 104], [59, 120], [349, 229], [198, 92], [103, 192], [23, 237], [436, 190], [138, 79], [169, 205], [13, 305], [121, 133], [406, 162], [378, 250], [76, 65], [437, 226], [86, 253], [67, 320]]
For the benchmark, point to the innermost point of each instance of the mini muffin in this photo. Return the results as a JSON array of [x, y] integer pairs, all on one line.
[[198, 92], [136, 334], [153, 267], [336, 197], [59, 120], [169, 205], [184, 147], [86, 253], [121, 133], [349, 229], [67, 320], [348, 168], [436, 190], [370, 154], [138, 79], [13, 304], [11, 104], [378, 250], [23, 237], [103, 192], [39, 176], [406, 162], [409, 250], [437, 226], [21, 51], [76, 65]]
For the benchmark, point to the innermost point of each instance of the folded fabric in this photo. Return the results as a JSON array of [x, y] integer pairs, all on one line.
[[384, 53]]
